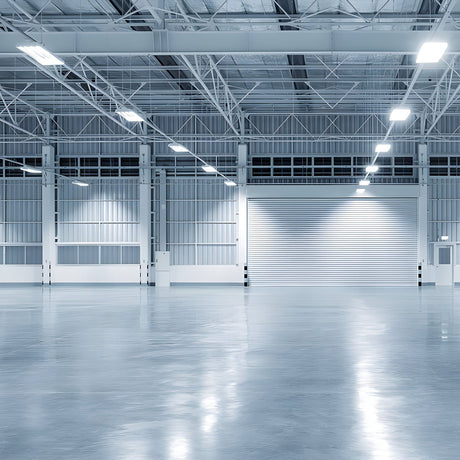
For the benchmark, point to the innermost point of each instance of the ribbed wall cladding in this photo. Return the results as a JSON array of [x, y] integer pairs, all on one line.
[[447, 144], [443, 212], [201, 222], [106, 211], [315, 131], [92, 137], [20, 211], [358, 242]]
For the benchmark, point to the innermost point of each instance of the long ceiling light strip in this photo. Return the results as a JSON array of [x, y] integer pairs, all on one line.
[[45, 58], [179, 148], [430, 52], [40, 54], [34, 170]]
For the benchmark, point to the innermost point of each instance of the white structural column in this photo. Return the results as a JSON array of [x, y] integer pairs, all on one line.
[[162, 257], [423, 207], [162, 216], [242, 206], [48, 210], [145, 190]]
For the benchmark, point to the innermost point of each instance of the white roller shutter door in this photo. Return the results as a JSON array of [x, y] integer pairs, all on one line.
[[332, 242]]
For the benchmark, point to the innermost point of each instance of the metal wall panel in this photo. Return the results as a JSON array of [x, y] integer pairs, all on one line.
[[443, 212], [201, 222], [21, 212], [105, 214], [106, 211], [302, 242], [21, 221]]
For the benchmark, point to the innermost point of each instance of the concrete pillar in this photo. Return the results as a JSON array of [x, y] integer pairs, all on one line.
[[145, 206], [48, 214]]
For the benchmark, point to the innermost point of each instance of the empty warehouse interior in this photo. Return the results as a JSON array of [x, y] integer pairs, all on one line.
[[229, 229]]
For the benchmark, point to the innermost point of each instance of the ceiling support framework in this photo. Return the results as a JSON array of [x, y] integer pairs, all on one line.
[[202, 128], [447, 8]]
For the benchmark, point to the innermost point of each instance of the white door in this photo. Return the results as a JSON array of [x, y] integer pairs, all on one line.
[[332, 241], [444, 265]]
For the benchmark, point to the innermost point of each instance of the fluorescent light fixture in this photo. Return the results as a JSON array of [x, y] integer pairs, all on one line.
[[129, 115], [30, 170], [444, 238], [399, 114], [382, 148], [372, 169], [178, 147], [431, 52], [209, 169], [360, 190], [41, 55], [80, 183], [364, 183], [230, 183]]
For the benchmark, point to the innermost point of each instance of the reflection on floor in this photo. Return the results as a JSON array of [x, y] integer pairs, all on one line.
[[210, 373]]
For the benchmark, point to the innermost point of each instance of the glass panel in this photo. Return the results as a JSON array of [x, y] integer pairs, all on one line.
[[444, 256]]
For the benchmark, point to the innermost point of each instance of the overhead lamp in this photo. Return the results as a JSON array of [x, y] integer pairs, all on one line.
[[230, 183], [382, 148], [209, 169], [129, 115], [360, 190], [372, 169], [431, 52], [31, 170], [444, 238], [399, 114], [178, 147], [40, 54], [80, 183], [364, 183]]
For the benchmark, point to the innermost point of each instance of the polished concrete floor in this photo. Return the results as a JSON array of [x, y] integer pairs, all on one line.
[[210, 373]]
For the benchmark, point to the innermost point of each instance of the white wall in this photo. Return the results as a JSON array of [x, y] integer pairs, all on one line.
[[96, 274]]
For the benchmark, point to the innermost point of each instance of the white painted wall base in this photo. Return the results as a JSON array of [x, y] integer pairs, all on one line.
[[429, 274], [96, 274], [207, 274], [20, 273]]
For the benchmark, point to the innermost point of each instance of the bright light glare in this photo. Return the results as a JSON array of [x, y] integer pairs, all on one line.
[[177, 147], [431, 52], [399, 114], [30, 170], [230, 183], [41, 55], [360, 190], [372, 169], [444, 238], [209, 169], [364, 183], [80, 183], [179, 449], [382, 148], [130, 115]]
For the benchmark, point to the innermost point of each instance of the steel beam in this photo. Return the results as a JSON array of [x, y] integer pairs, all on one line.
[[228, 43]]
